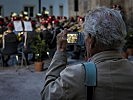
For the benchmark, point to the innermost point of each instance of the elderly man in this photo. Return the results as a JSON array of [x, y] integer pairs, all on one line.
[[104, 31]]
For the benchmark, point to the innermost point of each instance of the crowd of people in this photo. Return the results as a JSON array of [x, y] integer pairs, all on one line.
[[104, 32], [47, 27]]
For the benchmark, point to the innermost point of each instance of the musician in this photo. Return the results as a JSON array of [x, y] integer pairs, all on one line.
[[10, 43]]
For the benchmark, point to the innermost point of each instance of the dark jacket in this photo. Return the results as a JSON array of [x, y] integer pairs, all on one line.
[[11, 44], [31, 35], [56, 31], [47, 36]]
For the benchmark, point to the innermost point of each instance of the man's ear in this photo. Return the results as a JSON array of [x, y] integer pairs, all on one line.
[[93, 41], [90, 44]]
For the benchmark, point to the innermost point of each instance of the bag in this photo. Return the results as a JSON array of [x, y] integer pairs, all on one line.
[[90, 78]]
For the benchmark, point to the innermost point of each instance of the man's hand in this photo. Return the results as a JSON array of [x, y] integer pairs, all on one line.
[[62, 41]]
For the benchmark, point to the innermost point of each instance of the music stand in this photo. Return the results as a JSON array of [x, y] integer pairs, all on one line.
[[23, 27]]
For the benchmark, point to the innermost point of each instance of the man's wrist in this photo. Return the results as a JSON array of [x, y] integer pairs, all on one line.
[[61, 49]]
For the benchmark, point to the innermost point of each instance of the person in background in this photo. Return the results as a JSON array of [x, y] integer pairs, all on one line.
[[114, 7], [104, 31], [128, 48], [1, 30], [45, 35], [10, 43], [130, 54], [28, 39], [56, 30]]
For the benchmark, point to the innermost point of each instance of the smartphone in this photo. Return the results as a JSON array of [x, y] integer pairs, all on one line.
[[72, 37]]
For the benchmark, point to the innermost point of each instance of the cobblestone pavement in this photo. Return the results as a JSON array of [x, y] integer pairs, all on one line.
[[25, 84], [21, 85]]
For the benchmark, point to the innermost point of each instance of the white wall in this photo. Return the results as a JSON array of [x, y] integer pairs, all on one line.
[[56, 4], [18, 5]]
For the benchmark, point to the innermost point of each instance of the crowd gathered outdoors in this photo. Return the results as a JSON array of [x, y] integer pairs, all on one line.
[[43, 25], [47, 27], [101, 35]]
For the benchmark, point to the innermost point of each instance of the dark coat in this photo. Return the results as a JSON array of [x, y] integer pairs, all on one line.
[[11, 44], [30, 39], [56, 31], [47, 36]]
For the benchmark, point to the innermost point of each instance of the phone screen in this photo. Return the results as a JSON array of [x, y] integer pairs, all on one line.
[[72, 38]]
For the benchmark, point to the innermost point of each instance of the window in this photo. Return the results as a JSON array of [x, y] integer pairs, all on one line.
[[61, 10], [30, 10], [1, 10], [85, 5], [51, 10], [43, 9]]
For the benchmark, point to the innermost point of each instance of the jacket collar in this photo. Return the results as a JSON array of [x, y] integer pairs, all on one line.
[[106, 55]]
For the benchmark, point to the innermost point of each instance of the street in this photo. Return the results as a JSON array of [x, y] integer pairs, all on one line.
[[24, 84]]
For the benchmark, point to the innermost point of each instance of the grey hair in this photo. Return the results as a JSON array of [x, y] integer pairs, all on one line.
[[106, 26]]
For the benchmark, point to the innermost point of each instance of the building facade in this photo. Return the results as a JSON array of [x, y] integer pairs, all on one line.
[[33, 7], [9, 6], [56, 7], [127, 7], [86, 5], [63, 7]]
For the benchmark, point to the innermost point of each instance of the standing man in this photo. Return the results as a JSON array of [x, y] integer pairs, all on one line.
[[45, 35], [104, 31]]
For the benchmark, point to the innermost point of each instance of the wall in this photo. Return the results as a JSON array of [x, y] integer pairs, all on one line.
[[56, 4], [17, 6], [68, 5], [83, 7], [127, 7]]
